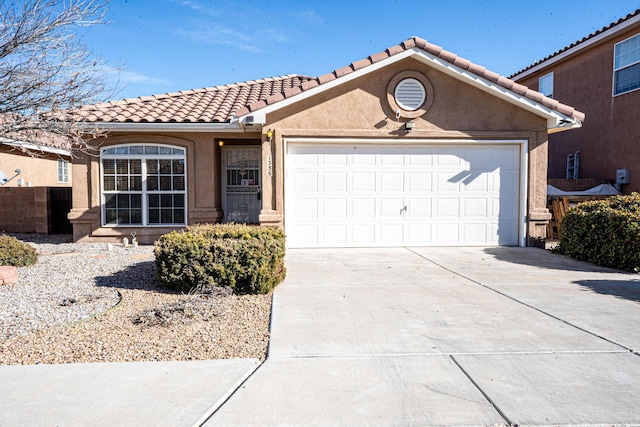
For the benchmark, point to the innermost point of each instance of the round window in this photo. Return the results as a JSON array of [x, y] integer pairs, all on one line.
[[410, 94]]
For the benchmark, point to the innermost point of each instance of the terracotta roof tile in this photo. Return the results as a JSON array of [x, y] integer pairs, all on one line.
[[582, 40], [325, 78], [448, 56], [204, 105], [343, 71], [462, 63], [377, 57], [394, 50], [221, 103], [361, 64]]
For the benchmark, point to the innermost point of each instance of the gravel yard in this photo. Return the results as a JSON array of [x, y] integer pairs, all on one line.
[[83, 303]]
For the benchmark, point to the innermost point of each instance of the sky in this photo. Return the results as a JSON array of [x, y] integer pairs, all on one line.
[[171, 45]]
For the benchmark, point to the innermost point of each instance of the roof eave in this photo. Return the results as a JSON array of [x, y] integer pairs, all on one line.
[[260, 115], [29, 146], [233, 127], [577, 48], [556, 121]]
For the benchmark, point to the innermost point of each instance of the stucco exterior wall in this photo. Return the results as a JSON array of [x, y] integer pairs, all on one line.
[[610, 134], [359, 109], [41, 171], [203, 184]]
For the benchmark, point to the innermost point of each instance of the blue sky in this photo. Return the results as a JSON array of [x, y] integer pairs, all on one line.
[[171, 45]]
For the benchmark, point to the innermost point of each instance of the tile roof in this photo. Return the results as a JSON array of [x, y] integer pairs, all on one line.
[[219, 104], [579, 42], [208, 105], [416, 42]]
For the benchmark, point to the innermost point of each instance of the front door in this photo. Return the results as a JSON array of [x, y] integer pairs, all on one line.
[[241, 184]]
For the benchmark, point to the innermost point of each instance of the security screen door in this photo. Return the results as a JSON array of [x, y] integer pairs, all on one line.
[[241, 183]]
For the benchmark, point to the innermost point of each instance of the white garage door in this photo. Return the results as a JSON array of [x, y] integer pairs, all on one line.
[[426, 195]]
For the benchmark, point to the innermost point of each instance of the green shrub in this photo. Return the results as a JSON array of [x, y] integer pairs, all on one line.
[[16, 253], [604, 232], [248, 259]]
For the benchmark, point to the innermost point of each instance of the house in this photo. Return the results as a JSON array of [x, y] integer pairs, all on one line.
[[409, 146], [37, 196], [40, 164], [600, 75]]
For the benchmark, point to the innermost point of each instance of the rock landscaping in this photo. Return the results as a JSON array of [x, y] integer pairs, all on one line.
[[85, 303]]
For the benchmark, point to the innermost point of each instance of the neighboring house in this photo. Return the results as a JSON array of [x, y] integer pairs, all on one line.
[[38, 199], [599, 75], [410, 146], [40, 165]]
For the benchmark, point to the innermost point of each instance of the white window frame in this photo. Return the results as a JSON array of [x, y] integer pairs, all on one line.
[[144, 193], [63, 171], [546, 81], [619, 68]]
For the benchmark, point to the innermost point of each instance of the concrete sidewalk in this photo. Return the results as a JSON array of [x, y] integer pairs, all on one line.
[[118, 394], [446, 336], [385, 337]]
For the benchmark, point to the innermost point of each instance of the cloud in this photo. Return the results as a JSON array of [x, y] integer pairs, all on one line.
[[220, 35], [310, 16], [274, 35], [198, 7], [138, 78]]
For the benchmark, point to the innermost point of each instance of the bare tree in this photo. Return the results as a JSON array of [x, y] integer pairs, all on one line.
[[46, 70]]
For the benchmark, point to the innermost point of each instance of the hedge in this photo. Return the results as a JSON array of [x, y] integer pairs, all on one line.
[[16, 253], [247, 259], [604, 232]]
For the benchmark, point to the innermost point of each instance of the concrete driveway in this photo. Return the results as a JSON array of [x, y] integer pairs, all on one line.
[[446, 336]]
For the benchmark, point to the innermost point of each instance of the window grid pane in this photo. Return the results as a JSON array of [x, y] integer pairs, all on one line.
[[627, 65], [126, 183]]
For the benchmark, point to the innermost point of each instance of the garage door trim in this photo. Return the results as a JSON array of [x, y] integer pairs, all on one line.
[[521, 144]]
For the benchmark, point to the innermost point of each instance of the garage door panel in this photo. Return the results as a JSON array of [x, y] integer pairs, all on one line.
[[477, 208], [391, 181], [305, 181], [363, 156], [363, 234], [391, 234], [337, 158], [391, 159], [504, 208], [419, 182], [505, 232], [363, 208], [306, 208], [447, 208], [475, 157], [375, 195], [334, 208], [475, 233], [476, 182], [419, 208], [506, 157], [334, 234], [334, 181], [417, 234], [419, 157], [390, 207], [446, 157], [363, 182], [507, 182], [306, 235], [446, 234]]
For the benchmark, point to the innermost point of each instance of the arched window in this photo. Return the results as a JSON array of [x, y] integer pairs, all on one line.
[[143, 184]]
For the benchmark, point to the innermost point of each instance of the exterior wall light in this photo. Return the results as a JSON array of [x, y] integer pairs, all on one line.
[[408, 127], [220, 143]]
